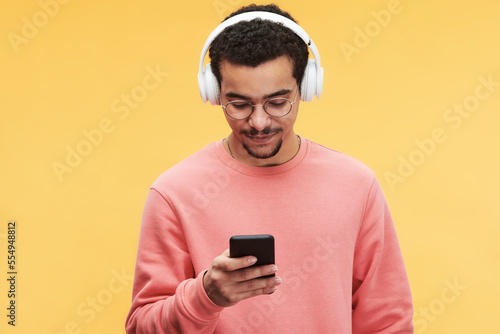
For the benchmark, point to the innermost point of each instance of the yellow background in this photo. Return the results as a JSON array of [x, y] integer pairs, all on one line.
[[79, 231]]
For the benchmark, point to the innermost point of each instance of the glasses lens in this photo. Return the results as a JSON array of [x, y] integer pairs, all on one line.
[[239, 109], [278, 107]]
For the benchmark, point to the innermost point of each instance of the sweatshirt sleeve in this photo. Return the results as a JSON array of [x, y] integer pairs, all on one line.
[[166, 296], [381, 301]]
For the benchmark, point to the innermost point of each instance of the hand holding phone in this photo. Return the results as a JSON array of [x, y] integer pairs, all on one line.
[[233, 276]]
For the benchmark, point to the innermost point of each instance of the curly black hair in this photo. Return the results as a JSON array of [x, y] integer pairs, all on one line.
[[254, 42]]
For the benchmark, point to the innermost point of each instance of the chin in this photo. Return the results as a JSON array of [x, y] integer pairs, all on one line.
[[263, 152]]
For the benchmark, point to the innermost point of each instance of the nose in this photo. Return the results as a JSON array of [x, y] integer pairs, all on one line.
[[259, 119]]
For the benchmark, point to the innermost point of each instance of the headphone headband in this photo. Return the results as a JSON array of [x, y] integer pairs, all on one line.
[[205, 81]]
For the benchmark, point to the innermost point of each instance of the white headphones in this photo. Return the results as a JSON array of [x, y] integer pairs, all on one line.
[[312, 81]]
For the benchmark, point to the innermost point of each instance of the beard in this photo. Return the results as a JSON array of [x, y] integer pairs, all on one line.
[[261, 154]]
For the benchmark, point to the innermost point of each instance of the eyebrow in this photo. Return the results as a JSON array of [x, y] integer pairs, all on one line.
[[239, 96]]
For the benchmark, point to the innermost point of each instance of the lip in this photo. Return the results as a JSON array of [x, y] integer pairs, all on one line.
[[260, 139]]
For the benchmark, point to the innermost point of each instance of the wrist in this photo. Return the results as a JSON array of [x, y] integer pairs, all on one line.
[[203, 291]]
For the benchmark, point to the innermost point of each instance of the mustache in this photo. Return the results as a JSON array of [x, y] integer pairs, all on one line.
[[255, 132]]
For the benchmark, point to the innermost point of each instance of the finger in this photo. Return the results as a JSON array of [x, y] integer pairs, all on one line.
[[261, 285], [246, 261], [228, 264], [251, 259], [247, 274], [269, 287]]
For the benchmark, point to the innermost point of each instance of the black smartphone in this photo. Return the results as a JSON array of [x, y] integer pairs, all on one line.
[[259, 245]]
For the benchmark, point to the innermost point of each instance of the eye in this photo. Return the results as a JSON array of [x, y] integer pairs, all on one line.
[[277, 103], [240, 105]]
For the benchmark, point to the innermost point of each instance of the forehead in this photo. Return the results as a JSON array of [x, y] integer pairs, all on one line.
[[255, 82]]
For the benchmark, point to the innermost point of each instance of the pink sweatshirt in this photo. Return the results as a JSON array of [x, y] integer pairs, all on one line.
[[336, 247]]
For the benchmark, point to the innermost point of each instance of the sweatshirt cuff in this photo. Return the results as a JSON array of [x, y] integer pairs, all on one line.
[[199, 301]]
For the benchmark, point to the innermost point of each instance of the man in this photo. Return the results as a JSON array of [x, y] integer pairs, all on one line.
[[341, 269]]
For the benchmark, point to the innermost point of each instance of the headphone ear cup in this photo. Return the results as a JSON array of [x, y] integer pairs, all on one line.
[[319, 84], [308, 84], [201, 86], [211, 86]]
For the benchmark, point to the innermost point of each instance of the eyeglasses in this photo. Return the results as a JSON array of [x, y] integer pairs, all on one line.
[[275, 107]]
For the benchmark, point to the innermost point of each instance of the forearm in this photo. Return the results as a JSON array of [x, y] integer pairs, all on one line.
[[189, 310]]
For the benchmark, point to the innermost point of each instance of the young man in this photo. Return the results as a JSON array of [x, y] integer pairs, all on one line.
[[341, 269]]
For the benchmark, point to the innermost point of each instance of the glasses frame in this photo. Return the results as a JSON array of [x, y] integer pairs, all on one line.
[[261, 105]]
